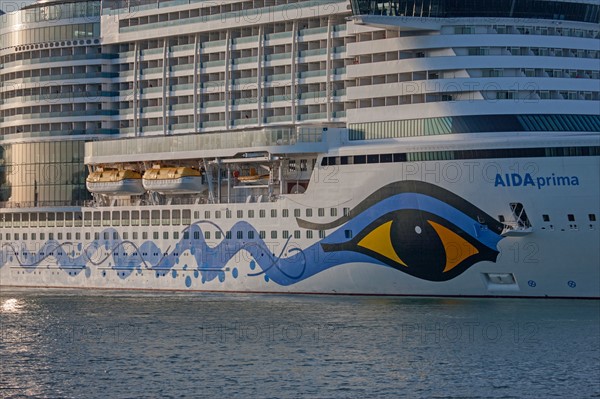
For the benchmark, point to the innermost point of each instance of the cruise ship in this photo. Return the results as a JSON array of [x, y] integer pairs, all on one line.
[[368, 147]]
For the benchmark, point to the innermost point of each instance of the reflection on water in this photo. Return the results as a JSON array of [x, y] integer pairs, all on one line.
[[61, 344]]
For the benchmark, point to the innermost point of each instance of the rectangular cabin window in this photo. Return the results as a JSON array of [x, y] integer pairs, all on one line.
[[373, 158], [176, 235], [145, 218], [309, 234], [217, 214], [546, 218], [25, 220], [240, 235], [251, 235], [334, 212], [106, 218], [571, 217], [228, 214], [125, 218], [144, 235], [69, 219], [166, 218], [78, 219], [262, 213], [309, 212], [186, 217], [345, 160], [135, 218], [360, 159], [125, 235], [262, 234], [207, 235], [60, 219], [33, 218], [88, 236], [176, 217], [400, 157], [273, 213], [240, 214], [592, 217], [296, 234], [218, 235], [285, 234], [41, 218], [274, 234], [87, 221], [116, 218], [321, 212], [286, 213], [250, 214], [386, 158], [155, 217], [155, 235], [97, 219], [207, 215], [297, 213], [51, 219]]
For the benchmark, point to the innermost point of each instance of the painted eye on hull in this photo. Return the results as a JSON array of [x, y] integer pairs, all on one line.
[[418, 243]]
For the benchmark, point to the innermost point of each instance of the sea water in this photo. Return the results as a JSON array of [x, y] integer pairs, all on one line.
[[73, 344]]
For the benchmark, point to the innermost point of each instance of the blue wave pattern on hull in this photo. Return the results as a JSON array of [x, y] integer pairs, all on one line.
[[404, 212]]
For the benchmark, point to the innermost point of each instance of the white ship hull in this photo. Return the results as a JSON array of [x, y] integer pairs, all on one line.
[[555, 258]]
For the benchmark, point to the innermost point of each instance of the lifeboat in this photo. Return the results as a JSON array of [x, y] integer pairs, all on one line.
[[178, 180], [254, 180], [114, 182]]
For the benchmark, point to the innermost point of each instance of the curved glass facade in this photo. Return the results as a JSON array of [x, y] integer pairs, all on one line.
[[43, 174], [538, 9], [474, 124], [50, 23]]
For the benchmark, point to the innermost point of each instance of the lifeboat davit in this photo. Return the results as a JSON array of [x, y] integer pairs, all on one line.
[[113, 182], [178, 180]]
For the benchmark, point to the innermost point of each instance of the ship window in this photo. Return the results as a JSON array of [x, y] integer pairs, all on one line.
[[297, 213], [303, 165], [360, 159], [262, 213], [262, 234], [176, 235], [346, 211], [144, 235], [60, 219], [207, 235], [273, 234], [51, 218], [68, 219], [145, 218], [25, 236], [207, 215], [228, 235], [155, 235], [240, 214], [33, 219], [286, 213], [186, 235], [571, 217], [17, 236], [348, 233], [176, 215], [33, 237], [78, 236], [106, 218], [344, 160], [165, 235], [125, 218], [87, 236], [309, 234], [43, 236], [217, 214], [240, 235], [501, 218], [218, 235], [546, 218], [166, 218], [321, 212], [373, 158], [196, 215], [250, 214], [399, 157], [116, 221], [592, 217], [227, 213], [334, 212], [296, 234], [96, 219], [115, 236], [285, 234], [7, 236], [186, 216], [105, 235], [251, 235], [96, 236], [196, 235], [386, 158], [321, 233], [155, 217], [135, 218]]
